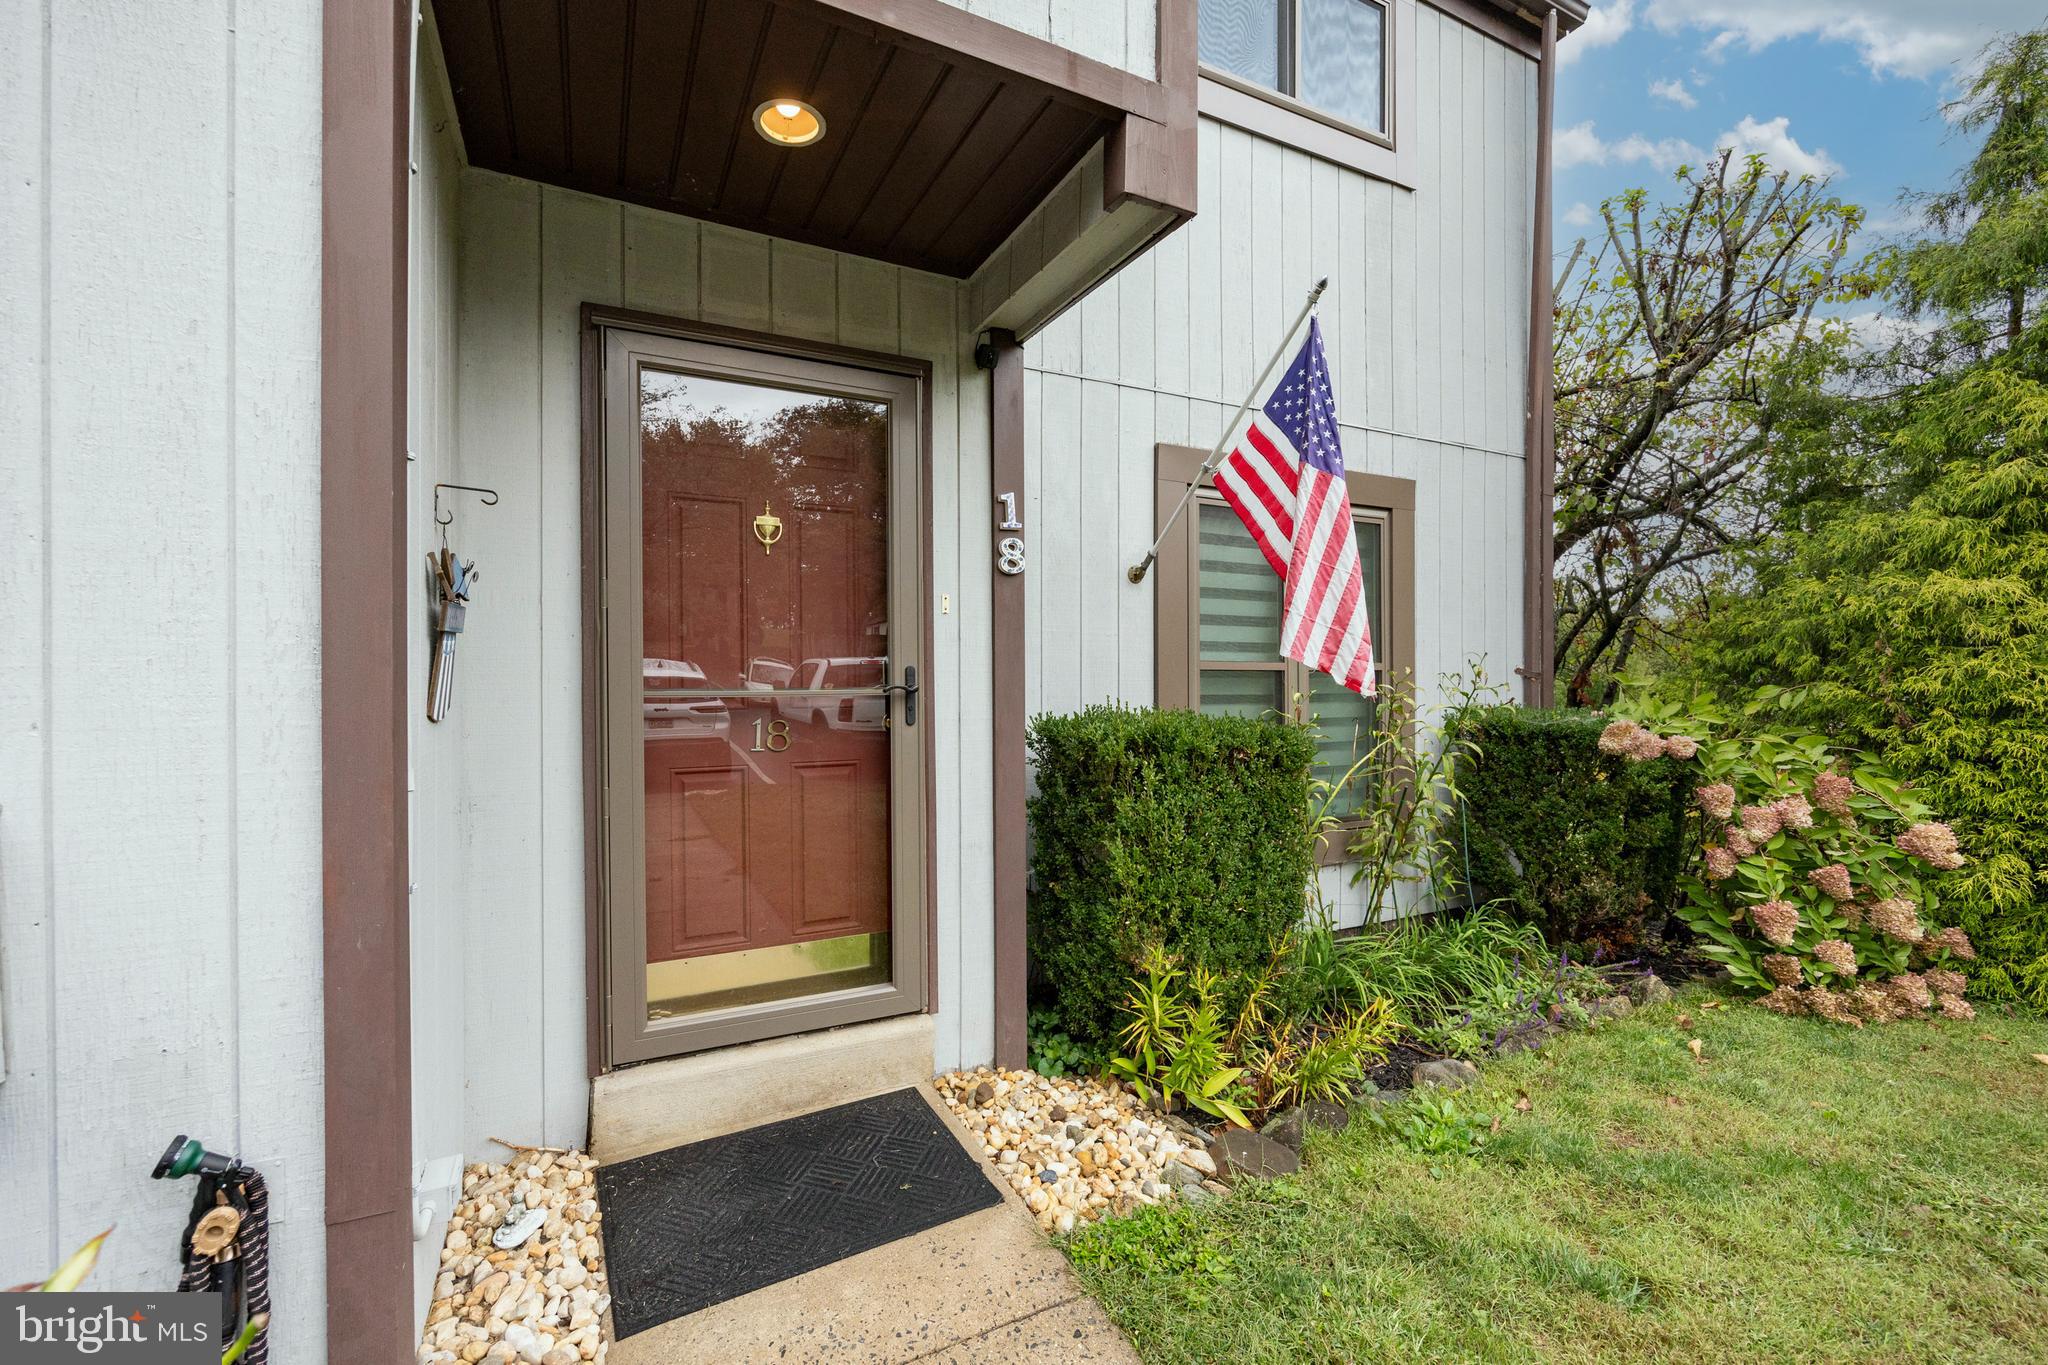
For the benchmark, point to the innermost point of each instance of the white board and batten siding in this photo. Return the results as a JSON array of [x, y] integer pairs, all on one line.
[[1426, 326], [513, 868], [160, 899], [1119, 33], [436, 819]]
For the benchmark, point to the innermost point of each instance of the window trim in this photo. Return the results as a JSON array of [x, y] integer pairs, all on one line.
[[1290, 52], [1177, 607]]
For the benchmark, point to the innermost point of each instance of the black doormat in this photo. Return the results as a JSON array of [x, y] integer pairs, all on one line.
[[697, 1225]]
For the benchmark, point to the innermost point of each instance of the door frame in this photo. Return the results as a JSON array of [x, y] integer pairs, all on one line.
[[613, 1041]]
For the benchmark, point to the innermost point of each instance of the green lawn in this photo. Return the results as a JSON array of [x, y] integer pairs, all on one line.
[[1803, 1192]]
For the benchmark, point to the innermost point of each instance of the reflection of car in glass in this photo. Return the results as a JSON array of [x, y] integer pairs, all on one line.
[[838, 713], [683, 717], [767, 675]]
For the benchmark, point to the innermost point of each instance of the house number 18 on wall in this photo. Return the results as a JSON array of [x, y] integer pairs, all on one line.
[[1010, 549]]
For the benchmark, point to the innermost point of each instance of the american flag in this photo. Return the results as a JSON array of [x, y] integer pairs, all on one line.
[[1285, 480]]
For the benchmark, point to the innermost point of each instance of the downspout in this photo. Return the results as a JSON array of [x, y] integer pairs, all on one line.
[[1539, 443]]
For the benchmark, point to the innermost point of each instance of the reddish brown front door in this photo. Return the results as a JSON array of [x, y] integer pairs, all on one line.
[[771, 626]]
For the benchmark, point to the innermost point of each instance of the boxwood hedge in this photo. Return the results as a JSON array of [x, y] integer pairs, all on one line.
[[1161, 827], [1583, 843]]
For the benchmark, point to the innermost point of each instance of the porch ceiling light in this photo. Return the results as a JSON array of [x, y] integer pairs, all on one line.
[[789, 123]]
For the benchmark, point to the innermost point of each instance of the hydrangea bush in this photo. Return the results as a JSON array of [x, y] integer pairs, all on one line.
[[1814, 871]]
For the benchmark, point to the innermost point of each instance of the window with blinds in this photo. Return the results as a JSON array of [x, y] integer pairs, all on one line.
[[1241, 670], [1328, 54]]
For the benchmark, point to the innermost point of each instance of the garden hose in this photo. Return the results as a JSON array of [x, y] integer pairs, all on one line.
[[226, 1245]]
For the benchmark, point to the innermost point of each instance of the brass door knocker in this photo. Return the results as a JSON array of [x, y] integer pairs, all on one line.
[[767, 529]]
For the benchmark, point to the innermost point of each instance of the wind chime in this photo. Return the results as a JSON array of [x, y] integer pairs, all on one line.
[[454, 579]]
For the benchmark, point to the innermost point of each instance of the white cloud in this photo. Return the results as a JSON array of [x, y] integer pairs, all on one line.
[[1582, 145], [1893, 37], [1604, 26], [1577, 145], [1675, 92], [1875, 329], [1774, 142], [1579, 215]]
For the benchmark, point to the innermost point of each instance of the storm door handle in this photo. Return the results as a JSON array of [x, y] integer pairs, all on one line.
[[908, 687]]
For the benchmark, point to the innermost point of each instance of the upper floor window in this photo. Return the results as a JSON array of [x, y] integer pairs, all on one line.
[[1330, 55]]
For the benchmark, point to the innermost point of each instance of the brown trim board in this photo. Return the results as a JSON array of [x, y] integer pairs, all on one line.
[[596, 317], [949, 31], [1151, 156], [1006, 462], [366, 1020]]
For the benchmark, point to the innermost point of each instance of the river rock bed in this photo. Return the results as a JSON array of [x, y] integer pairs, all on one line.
[[1077, 1149], [539, 1303]]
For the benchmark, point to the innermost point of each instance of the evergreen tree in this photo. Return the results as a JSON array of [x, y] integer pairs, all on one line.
[[1914, 620]]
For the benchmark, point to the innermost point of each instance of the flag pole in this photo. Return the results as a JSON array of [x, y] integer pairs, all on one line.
[[1136, 573]]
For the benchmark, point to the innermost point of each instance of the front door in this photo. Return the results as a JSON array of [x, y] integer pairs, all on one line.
[[764, 706]]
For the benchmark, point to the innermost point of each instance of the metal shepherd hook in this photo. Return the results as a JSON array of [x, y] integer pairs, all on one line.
[[1138, 571]]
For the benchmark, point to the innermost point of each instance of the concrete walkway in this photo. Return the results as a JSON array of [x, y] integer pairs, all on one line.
[[986, 1289]]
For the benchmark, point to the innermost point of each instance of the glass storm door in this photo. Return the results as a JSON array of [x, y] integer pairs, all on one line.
[[763, 719]]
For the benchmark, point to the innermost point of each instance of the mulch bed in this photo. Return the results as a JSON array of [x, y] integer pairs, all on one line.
[[1399, 1067]]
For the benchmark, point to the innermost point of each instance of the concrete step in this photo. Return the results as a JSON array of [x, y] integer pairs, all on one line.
[[657, 1105]]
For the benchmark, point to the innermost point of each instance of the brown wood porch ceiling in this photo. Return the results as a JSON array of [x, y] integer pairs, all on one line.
[[930, 156]]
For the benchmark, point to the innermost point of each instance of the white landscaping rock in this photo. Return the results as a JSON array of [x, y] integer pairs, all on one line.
[[539, 1303], [1075, 1149]]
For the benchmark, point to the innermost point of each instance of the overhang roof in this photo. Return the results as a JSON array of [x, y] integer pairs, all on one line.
[[938, 142], [1570, 13]]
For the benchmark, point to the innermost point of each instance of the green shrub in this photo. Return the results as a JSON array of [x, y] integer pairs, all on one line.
[[1815, 872], [1573, 839], [1052, 1052], [1921, 633], [1162, 829]]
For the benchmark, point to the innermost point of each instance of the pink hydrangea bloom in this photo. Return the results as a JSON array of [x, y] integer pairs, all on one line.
[[1644, 746], [1784, 1000], [1717, 799], [1956, 941], [1783, 969], [1680, 746], [1738, 842], [1831, 793], [1777, 921], [1911, 989], [1720, 864], [1618, 736], [1760, 822], [1895, 918], [1955, 1007], [1793, 812], [1874, 1003], [1932, 843], [1833, 880], [1836, 954], [1945, 982], [1823, 1003]]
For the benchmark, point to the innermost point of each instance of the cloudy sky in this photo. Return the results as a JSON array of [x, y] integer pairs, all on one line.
[[1847, 88]]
